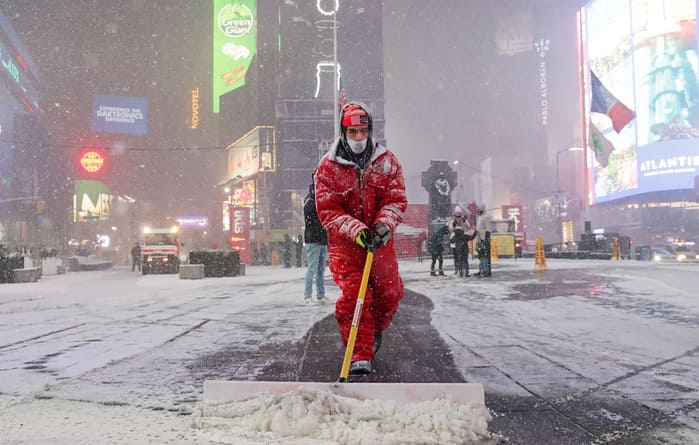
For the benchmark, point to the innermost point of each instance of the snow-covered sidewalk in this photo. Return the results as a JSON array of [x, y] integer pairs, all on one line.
[[627, 326]]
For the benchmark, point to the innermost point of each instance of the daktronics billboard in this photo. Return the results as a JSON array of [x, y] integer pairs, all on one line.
[[235, 44], [645, 54], [120, 114]]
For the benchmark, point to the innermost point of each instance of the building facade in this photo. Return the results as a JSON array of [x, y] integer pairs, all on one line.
[[33, 201], [279, 124]]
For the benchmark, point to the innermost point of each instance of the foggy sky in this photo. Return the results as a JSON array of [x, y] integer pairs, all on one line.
[[451, 96]]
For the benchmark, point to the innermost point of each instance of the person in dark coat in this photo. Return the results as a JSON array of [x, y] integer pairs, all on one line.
[[287, 245], [436, 248], [298, 243], [316, 248], [461, 239], [136, 257], [483, 250]]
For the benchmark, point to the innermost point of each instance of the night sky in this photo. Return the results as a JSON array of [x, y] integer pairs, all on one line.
[[448, 94]]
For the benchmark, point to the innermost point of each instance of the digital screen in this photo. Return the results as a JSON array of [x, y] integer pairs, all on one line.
[[644, 52], [92, 201], [18, 66], [6, 150], [235, 44], [120, 114]]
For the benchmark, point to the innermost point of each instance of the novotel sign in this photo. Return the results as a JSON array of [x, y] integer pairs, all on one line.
[[193, 221]]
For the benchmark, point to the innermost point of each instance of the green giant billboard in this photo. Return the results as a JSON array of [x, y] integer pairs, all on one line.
[[235, 43]]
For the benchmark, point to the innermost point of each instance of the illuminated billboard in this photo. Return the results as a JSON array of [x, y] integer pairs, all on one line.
[[644, 53], [92, 201], [120, 114], [6, 150], [235, 44], [239, 234], [18, 66], [252, 153], [193, 221]]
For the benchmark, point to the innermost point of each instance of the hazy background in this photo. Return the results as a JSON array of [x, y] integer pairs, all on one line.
[[448, 94]]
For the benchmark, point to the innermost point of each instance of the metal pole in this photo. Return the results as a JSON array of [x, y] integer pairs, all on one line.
[[558, 173], [336, 117], [583, 110]]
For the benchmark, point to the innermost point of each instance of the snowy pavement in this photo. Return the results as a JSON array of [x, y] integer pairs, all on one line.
[[589, 349]]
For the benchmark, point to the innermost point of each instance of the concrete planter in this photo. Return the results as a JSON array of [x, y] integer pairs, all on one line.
[[50, 265], [191, 271], [27, 275]]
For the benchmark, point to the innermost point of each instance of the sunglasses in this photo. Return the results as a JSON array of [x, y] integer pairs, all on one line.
[[354, 131]]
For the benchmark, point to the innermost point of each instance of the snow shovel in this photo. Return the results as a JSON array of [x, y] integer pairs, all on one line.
[[220, 391], [358, 306]]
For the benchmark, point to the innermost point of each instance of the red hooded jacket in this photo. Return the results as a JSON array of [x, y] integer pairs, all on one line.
[[348, 201]]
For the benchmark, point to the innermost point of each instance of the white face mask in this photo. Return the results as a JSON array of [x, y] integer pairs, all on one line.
[[357, 146]]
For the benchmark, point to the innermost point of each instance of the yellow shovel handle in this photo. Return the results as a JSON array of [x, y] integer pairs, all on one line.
[[349, 350]]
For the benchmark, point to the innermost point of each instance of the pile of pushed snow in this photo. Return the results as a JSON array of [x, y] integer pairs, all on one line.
[[319, 417]]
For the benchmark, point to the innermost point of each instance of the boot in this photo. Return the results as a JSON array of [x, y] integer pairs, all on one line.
[[441, 273], [361, 367], [433, 273], [377, 342]]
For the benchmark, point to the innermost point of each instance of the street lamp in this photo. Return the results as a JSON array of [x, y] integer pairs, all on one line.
[[558, 162], [459, 180]]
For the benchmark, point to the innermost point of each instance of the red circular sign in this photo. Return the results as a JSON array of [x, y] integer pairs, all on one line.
[[92, 161]]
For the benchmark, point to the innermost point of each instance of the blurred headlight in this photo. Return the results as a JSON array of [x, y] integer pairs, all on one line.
[[681, 257], [656, 257]]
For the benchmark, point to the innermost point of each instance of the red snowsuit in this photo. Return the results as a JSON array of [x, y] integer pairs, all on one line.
[[348, 201]]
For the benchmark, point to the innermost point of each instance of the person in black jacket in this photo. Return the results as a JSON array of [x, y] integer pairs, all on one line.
[[461, 239], [436, 248], [136, 257], [287, 246], [316, 248], [298, 243]]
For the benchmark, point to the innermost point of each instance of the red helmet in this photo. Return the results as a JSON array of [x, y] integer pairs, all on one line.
[[354, 116]]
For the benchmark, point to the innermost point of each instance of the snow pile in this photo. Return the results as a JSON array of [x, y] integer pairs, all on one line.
[[331, 419]]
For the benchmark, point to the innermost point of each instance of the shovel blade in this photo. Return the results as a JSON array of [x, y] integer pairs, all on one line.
[[236, 390]]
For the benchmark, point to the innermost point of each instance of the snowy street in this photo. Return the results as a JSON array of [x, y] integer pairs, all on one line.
[[603, 351]]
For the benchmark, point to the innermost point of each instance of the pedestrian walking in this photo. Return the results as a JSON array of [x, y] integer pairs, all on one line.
[[136, 257], [316, 249], [461, 239], [457, 220], [287, 246], [360, 198], [483, 249], [436, 248], [298, 244]]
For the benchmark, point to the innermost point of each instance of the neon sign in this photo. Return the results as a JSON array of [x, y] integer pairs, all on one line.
[[92, 162], [9, 62]]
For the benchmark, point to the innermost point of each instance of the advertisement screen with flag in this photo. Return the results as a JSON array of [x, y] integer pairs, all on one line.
[[642, 95]]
